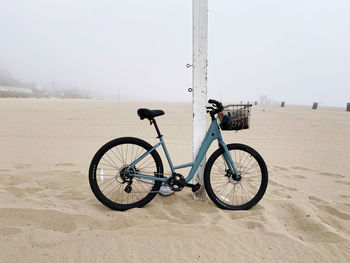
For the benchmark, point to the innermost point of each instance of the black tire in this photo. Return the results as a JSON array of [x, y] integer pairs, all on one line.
[[228, 193], [110, 188]]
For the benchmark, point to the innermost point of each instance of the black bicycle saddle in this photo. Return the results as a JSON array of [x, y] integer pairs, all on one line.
[[149, 114]]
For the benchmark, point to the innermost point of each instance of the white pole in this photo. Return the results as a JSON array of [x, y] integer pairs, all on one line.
[[199, 96]]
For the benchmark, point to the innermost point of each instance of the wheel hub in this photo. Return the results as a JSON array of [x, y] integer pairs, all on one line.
[[126, 178], [234, 176]]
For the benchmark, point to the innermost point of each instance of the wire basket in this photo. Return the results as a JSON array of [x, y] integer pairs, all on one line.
[[235, 117]]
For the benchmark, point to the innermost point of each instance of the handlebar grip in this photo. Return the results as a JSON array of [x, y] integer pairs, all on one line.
[[217, 103]]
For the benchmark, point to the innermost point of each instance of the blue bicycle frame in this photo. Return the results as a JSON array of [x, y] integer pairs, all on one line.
[[212, 134]]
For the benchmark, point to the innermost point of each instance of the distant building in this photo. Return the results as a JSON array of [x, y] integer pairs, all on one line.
[[7, 91]]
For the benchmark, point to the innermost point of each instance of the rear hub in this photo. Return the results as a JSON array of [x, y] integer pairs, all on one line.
[[125, 176]]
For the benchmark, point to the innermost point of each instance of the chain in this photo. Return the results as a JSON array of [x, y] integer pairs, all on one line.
[[151, 184], [151, 192]]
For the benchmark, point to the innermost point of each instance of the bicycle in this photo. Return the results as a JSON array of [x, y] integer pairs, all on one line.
[[128, 172]]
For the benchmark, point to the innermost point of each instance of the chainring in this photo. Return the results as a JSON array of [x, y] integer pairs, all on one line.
[[176, 182]]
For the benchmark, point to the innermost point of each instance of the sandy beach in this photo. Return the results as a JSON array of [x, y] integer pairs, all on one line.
[[49, 214]]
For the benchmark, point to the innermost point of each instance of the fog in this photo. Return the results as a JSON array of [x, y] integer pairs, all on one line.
[[292, 50]]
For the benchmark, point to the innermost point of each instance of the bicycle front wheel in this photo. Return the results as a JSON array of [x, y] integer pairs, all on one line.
[[112, 187], [240, 194]]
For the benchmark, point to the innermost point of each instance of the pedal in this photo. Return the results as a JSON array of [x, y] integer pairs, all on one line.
[[194, 187]]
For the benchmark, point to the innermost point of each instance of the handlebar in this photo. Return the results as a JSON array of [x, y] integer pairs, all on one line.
[[216, 107], [216, 103]]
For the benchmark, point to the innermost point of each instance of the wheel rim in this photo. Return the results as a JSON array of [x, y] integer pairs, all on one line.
[[232, 192], [112, 181]]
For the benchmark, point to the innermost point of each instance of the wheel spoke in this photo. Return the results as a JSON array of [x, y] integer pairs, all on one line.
[[116, 156], [108, 165]]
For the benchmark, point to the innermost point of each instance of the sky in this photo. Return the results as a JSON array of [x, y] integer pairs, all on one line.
[[292, 50]]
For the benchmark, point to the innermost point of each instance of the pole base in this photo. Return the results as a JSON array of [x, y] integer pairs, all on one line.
[[199, 194]]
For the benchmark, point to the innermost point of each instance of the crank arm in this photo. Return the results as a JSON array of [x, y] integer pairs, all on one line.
[[194, 187]]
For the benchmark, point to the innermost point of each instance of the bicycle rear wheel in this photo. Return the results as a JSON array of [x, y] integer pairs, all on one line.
[[228, 193], [108, 181]]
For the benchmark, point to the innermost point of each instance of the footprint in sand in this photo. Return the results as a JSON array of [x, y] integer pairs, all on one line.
[[342, 182], [10, 231], [52, 220], [315, 199], [43, 219], [320, 173], [302, 168], [66, 196], [20, 192], [5, 171], [238, 215], [15, 191], [254, 225], [282, 186], [331, 174], [280, 168], [22, 166], [279, 194], [323, 206], [56, 172], [64, 164], [344, 196], [32, 190], [337, 213], [299, 176], [44, 242], [306, 226]]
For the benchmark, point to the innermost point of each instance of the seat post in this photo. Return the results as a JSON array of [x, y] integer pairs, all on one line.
[[156, 126]]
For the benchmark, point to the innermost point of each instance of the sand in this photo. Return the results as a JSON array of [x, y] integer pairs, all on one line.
[[49, 214]]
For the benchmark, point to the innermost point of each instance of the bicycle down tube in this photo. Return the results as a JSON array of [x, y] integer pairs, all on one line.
[[212, 134]]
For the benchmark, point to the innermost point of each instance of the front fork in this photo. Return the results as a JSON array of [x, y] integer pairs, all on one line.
[[232, 170]]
